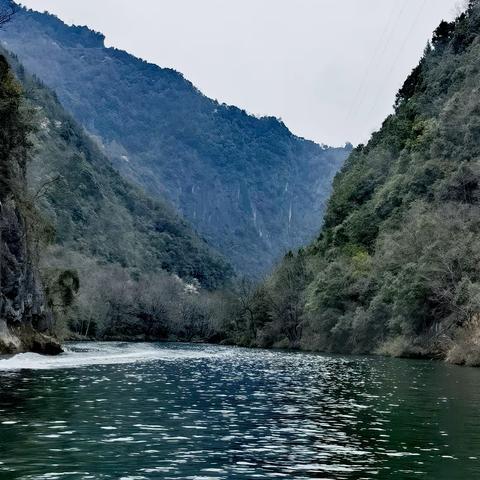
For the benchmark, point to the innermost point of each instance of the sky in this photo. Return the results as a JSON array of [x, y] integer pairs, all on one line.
[[329, 69]]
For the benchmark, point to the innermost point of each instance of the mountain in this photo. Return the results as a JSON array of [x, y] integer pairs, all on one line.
[[396, 268], [247, 184], [95, 211]]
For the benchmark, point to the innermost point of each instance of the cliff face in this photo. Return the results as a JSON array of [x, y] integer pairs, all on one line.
[[24, 320], [247, 184], [22, 303]]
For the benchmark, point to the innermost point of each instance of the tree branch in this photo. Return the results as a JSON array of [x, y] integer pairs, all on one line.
[[45, 185], [6, 14]]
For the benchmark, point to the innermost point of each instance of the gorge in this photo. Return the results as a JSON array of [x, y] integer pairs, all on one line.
[[188, 291]]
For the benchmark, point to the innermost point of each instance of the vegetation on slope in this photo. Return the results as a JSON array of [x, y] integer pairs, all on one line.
[[24, 318], [96, 212], [396, 267], [120, 265], [248, 185]]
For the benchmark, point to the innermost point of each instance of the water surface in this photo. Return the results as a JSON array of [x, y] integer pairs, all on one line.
[[139, 411]]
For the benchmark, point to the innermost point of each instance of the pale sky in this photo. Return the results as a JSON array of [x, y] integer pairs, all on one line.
[[329, 68]]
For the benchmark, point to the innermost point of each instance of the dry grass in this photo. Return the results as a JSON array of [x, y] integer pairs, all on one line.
[[465, 349]]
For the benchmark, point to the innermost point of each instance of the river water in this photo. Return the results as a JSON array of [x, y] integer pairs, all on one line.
[[165, 411]]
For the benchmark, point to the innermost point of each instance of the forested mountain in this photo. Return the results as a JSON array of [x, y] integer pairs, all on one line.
[[82, 250], [98, 213], [94, 211], [250, 186], [396, 267]]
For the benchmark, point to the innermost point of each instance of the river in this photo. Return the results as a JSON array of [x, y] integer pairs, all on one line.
[[179, 411]]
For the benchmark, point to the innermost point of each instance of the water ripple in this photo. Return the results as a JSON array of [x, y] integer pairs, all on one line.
[[138, 411]]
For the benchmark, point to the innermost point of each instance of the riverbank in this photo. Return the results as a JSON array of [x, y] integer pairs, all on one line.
[[464, 351]]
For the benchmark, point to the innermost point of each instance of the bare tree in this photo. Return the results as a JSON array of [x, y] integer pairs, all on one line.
[[6, 13]]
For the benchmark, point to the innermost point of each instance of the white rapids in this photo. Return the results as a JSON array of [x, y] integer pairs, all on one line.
[[100, 353]]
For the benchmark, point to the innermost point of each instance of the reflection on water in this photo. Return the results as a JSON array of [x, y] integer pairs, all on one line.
[[135, 411]]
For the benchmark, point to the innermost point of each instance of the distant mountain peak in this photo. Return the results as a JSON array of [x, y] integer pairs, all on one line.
[[215, 162]]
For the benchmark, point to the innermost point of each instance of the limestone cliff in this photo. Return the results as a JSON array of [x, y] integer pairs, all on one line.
[[24, 320]]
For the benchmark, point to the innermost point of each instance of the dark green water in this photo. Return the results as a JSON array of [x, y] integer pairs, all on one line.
[[202, 412]]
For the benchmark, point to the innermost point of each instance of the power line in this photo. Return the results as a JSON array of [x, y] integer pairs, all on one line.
[[400, 51], [382, 45]]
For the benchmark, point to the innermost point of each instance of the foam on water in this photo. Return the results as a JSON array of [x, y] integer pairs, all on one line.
[[99, 353]]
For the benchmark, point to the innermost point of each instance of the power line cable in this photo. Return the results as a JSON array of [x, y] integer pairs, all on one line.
[[387, 44], [400, 51], [384, 39]]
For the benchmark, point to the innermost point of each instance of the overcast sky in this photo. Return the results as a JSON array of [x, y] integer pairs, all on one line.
[[329, 68]]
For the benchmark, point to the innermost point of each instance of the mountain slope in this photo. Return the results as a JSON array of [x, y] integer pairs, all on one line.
[[396, 268], [95, 211], [248, 185]]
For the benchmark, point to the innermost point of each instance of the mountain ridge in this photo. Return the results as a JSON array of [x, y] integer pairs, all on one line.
[[250, 186]]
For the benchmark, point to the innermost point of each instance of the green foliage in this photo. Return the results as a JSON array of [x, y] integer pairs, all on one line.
[[14, 130], [61, 288], [396, 266]]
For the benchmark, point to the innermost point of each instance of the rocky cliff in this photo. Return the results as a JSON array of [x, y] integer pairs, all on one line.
[[24, 319]]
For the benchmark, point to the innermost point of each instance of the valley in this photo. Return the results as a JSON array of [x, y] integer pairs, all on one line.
[[190, 291]]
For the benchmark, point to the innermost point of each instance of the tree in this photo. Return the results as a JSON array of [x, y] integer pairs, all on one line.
[[287, 289], [443, 33], [61, 288]]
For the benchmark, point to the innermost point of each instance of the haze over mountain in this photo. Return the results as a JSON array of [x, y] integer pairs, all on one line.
[[248, 185]]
